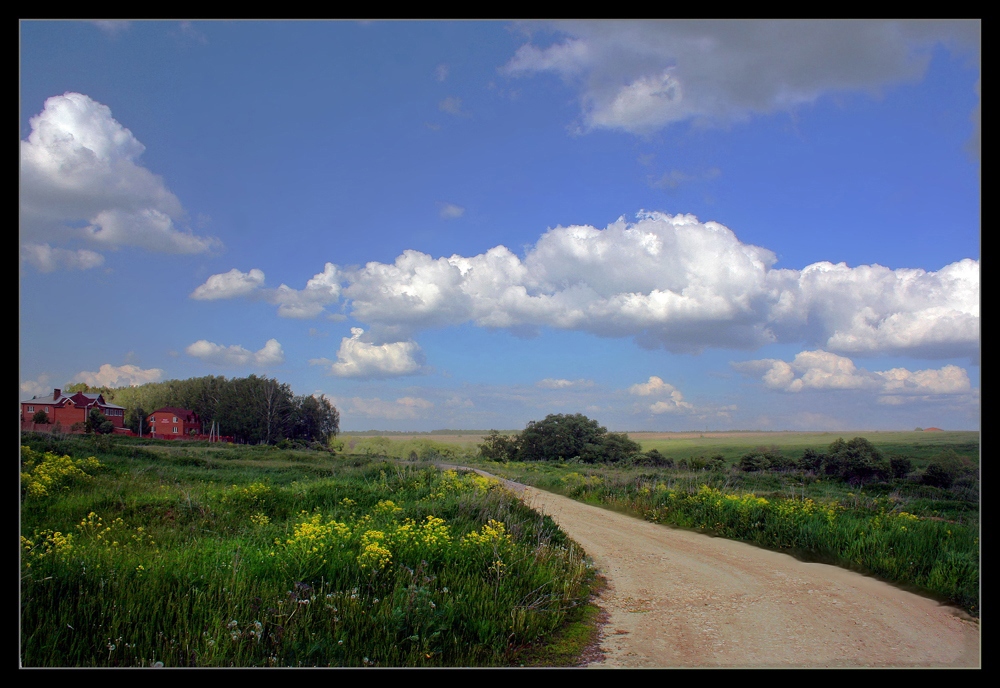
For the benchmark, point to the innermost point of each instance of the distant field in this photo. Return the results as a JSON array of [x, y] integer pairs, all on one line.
[[680, 445], [916, 445]]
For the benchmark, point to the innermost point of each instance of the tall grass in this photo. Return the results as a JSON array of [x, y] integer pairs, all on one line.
[[375, 564], [876, 532]]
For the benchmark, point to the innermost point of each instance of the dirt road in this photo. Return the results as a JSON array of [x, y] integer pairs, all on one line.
[[682, 599]]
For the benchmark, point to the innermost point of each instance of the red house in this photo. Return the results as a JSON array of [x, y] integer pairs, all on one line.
[[171, 421], [67, 409]]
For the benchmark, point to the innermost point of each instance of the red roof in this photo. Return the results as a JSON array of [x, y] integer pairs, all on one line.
[[186, 414], [933, 430]]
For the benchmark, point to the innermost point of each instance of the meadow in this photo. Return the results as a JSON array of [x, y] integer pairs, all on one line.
[[138, 553], [919, 536]]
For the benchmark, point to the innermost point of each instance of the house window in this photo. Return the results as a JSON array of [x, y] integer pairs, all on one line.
[[175, 431], [31, 409], [175, 420]]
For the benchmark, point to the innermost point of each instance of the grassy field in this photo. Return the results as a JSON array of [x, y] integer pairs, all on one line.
[[917, 536], [145, 554], [685, 445], [919, 446]]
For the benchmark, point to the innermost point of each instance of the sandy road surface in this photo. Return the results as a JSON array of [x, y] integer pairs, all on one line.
[[682, 599]]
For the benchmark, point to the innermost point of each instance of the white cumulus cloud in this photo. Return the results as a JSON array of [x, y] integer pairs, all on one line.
[[675, 282], [119, 376], [668, 281], [80, 180], [235, 355], [818, 370], [655, 386], [357, 358], [229, 285], [321, 290], [37, 387]]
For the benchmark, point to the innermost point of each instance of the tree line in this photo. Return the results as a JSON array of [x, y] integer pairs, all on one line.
[[251, 410]]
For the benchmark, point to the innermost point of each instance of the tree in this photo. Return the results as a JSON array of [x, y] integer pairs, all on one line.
[[856, 461], [900, 466], [559, 436], [135, 420], [99, 423], [499, 447], [40, 417]]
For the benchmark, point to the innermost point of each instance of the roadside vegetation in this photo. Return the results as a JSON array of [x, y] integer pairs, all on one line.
[[137, 553], [909, 519]]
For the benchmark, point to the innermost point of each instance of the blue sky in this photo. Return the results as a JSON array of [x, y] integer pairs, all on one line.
[[662, 225]]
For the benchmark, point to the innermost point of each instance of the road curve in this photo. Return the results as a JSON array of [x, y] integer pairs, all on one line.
[[682, 599]]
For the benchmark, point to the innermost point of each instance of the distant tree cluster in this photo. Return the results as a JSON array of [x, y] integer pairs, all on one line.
[[252, 410], [858, 461], [561, 438]]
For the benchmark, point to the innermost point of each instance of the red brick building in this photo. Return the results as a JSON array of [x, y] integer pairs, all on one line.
[[67, 409], [171, 421]]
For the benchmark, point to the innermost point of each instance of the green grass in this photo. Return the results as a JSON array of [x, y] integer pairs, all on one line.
[[248, 556], [923, 538], [919, 446]]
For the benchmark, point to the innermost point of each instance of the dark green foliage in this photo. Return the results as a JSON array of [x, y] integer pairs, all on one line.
[[499, 447], [811, 461], [559, 437], [716, 463], [753, 461], [135, 420], [653, 458], [99, 423], [614, 447], [900, 466], [252, 410], [570, 437], [858, 461], [40, 417], [937, 475]]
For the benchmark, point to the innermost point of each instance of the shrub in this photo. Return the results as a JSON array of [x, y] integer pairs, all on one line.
[[40, 417], [937, 475], [900, 466]]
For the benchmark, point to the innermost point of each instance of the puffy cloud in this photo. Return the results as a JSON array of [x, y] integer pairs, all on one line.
[[229, 285], [121, 376], [320, 291], [45, 258], [450, 211], [552, 383], [812, 370], [871, 308], [655, 386], [37, 387], [357, 358], [642, 76], [948, 380], [666, 280], [675, 282], [270, 355], [441, 72], [80, 180]]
